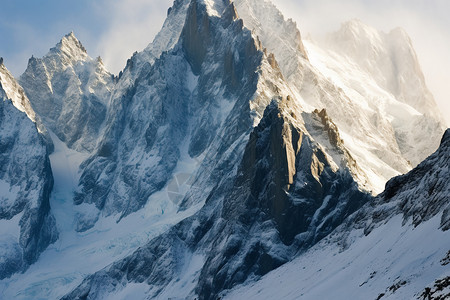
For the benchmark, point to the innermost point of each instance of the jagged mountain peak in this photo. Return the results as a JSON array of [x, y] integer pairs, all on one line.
[[63, 86], [355, 36], [260, 17], [70, 47]]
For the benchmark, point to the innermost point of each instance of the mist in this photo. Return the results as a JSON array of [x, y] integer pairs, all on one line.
[[426, 22]]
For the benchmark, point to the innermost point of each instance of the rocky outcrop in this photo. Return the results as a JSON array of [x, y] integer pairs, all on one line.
[[286, 197], [25, 184], [196, 36], [324, 131]]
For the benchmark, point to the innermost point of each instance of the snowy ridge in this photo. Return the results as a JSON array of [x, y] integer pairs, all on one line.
[[165, 40]]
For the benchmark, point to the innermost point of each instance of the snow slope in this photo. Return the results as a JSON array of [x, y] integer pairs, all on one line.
[[395, 260], [75, 255]]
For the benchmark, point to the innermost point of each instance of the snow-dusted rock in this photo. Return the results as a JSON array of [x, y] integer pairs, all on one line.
[[70, 92], [284, 196], [27, 226]]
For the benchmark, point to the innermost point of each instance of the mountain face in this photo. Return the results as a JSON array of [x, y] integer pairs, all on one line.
[[195, 101], [70, 92], [285, 196], [27, 225], [394, 98], [225, 149], [396, 66], [394, 247]]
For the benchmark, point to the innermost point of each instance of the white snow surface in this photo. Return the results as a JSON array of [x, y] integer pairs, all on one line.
[[391, 254], [178, 289], [75, 255]]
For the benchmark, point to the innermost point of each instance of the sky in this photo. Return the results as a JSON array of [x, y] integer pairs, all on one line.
[[115, 29]]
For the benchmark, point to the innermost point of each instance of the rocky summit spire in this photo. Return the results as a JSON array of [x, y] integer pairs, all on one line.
[[66, 88], [71, 47]]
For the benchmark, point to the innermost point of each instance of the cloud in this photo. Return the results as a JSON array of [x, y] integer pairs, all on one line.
[[131, 26], [426, 22]]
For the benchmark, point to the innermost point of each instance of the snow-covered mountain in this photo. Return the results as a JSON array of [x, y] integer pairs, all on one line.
[[70, 92], [393, 88], [27, 226], [373, 120], [223, 150]]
